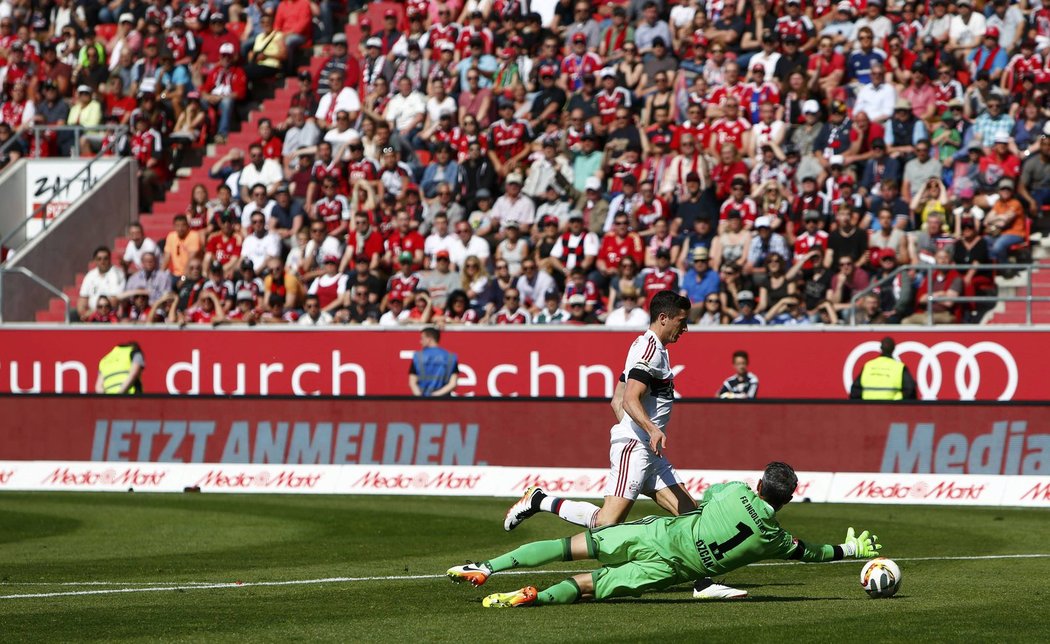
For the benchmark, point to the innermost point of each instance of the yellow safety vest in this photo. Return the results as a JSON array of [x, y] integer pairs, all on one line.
[[115, 367], [882, 379]]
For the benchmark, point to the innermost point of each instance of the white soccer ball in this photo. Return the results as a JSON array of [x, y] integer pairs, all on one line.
[[880, 577]]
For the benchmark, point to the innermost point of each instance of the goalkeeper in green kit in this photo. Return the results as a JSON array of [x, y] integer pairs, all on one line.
[[733, 527]]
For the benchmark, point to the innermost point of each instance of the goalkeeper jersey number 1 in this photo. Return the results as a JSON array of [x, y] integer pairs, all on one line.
[[732, 528]]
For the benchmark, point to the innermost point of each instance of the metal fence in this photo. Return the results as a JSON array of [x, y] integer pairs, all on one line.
[[931, 300]]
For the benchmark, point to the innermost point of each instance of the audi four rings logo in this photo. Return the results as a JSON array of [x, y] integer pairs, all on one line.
[[929, 375]]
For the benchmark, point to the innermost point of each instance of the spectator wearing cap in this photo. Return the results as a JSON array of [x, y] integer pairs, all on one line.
[[440, 280], [1005, 223], [578, 64], [747, 306], [878, 98], [294, 19], [330, 286], [552, 311], [514, 206], [592, 205], [549, 101], [904, 130], [225, 85], [218, 285], [576, 247], [52, 110], [839, 25], [700, 281], [339, 61], [988, 55], [997, 162], [211, 41], [224, 245], [579, 314], [966, 30], [764, 245]]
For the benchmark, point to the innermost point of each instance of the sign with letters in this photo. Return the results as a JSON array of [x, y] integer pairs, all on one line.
[[57, 180]]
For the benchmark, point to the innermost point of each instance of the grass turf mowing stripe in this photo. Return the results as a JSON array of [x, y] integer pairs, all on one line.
[[177, 586]]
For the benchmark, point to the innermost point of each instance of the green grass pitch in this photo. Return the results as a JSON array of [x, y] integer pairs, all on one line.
[[53, 543]]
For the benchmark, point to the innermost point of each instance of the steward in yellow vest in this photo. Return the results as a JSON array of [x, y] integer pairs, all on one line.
[[884, 378], [120, 370]]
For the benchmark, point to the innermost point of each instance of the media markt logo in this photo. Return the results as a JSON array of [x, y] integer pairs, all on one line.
[[943, 491], [132, 476], [282, 480], [419, 481], [562, 484], [6, 476], [1038, 492], [1007, 449]]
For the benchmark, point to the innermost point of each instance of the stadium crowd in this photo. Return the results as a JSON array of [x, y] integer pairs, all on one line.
[[562, 161]]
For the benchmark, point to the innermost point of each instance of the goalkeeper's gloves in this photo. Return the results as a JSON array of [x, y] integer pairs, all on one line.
[[862, 546]]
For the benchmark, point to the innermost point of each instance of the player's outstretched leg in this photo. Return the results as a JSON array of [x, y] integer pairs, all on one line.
[[529, 555], [536, 500]]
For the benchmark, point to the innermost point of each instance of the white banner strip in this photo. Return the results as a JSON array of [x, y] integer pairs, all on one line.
[[452, 480]]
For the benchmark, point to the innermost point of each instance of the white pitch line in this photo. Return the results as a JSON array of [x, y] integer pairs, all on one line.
[[175, 586]]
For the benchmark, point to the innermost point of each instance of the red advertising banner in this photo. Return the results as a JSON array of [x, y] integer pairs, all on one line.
[[584, 363], [830, 437]]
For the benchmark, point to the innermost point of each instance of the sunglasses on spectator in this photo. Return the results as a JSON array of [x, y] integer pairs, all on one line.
[[258, 221], [712, 300], [511, 298], [619, 223], [317, 230], [500, 267]]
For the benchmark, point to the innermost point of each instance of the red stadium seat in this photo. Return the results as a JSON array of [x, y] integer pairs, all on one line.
[[423, 156]]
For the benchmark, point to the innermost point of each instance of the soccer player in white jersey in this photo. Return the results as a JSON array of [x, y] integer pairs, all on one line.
[[637, 462]]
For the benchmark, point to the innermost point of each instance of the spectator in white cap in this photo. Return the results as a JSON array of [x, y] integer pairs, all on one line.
[[225, 85], [747, 317], [593, 205], [514, 206], [764, 245]]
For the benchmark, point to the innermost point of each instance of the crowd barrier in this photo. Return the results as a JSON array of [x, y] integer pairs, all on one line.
[[978, 364]]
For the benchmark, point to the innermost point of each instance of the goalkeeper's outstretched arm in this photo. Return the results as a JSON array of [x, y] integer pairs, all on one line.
[[862, 546]]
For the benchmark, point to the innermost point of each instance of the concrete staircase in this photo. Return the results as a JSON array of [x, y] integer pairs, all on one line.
[[1015, 312], [157, 224]]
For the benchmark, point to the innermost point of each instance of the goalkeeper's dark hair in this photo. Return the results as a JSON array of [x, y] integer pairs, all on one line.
[[778, 484], [669, 303]]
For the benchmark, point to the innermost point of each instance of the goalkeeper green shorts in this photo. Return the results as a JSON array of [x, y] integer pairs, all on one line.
[[633, 563]]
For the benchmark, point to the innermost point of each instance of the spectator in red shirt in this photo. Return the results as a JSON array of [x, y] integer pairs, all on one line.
[[226, 84], [294, 20]]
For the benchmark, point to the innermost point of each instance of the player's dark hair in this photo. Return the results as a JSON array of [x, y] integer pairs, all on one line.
[[432, 333], [778, 484], [887, 346], [741, 354], [667, 302]]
